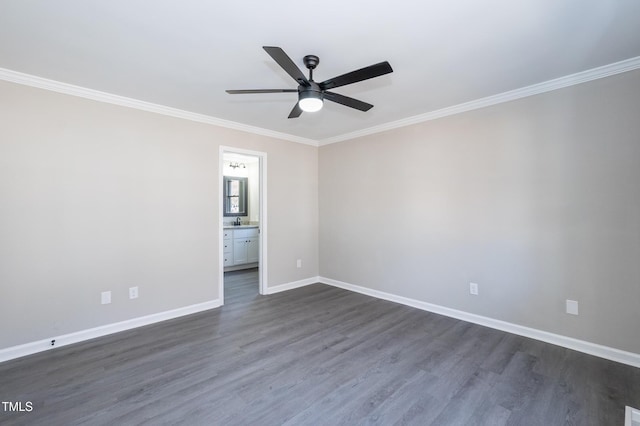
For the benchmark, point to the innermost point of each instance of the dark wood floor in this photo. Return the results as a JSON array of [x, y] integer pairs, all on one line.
[[317, 355]]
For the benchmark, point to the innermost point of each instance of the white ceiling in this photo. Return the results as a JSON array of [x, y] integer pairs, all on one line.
[[184, 54]]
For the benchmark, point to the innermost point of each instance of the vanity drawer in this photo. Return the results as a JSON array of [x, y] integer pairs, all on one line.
[[245, 233]]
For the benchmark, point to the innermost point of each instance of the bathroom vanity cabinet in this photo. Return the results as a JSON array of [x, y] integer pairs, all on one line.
[[241, 246]]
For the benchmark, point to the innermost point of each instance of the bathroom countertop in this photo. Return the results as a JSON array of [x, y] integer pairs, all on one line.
[[240, 226]]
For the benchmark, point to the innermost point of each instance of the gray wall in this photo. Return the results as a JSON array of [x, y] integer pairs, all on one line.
[[97, 197], [537, 200]]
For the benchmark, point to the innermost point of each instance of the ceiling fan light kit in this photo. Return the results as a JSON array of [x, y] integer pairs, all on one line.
[[311, 95], [309, 99]]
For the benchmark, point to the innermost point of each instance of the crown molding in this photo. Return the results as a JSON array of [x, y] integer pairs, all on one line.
[[96, 95], [535, 89]]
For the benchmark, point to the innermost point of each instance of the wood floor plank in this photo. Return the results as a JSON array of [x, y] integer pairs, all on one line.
[[315, 355]]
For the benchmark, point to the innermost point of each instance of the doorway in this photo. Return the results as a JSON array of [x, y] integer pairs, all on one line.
[[243, 222]]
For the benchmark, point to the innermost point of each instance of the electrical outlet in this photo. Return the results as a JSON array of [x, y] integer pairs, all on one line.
[[473, 288], [299, 263], [572, 307], [133, 292], [105, 297]]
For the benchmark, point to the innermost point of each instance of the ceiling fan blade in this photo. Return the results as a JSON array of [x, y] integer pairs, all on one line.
[[296, 111], [359, 75], [287, 64], [242, 92], [347, 101]]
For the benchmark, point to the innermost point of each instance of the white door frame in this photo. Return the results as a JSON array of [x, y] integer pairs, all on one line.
[[262, 261]]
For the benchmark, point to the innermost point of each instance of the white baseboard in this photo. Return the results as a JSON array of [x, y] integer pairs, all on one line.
[[601, 351], [82, 335], [292, 285]]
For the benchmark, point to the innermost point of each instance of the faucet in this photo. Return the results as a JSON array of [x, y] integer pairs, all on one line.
[[237, 222]]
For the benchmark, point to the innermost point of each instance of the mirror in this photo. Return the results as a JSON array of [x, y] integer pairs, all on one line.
[[235, 196]]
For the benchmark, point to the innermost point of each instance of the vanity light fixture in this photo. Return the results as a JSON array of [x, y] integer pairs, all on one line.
[[235, 165]]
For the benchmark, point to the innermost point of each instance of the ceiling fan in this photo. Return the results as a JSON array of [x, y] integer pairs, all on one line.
[[312, 94]]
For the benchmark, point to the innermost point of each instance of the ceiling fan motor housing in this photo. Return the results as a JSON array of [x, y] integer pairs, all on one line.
[[313, 90], [310, 97]]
